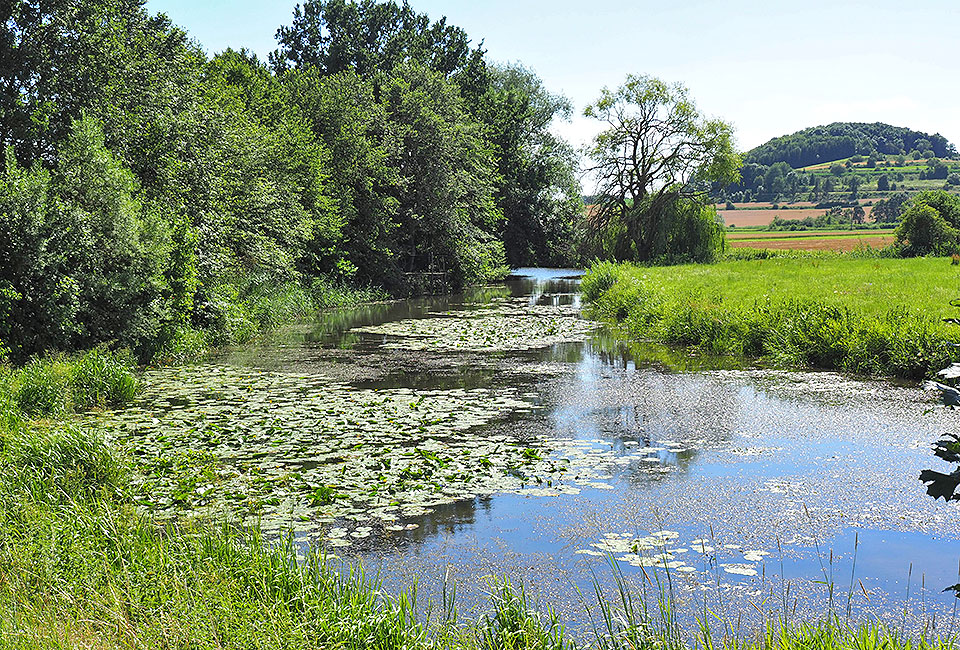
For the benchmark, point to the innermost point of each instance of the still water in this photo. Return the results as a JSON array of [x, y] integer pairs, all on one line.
[[742, 489]]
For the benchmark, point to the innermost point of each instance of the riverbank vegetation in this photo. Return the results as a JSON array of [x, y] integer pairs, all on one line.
[[864, 314], [153, 195]]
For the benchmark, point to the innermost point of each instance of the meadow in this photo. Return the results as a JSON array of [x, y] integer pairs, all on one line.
[[856, 313]]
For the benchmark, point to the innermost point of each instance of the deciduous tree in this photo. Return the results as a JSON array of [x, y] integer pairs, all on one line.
[[657, 151]]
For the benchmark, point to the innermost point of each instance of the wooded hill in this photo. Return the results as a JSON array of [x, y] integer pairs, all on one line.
[[840, 140]]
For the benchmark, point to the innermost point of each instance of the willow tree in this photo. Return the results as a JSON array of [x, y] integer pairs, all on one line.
[[657, 158]]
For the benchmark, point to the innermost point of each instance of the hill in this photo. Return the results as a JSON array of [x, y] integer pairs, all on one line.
[[844, 139]]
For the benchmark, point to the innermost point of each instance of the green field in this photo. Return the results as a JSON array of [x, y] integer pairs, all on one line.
[[861, 314]]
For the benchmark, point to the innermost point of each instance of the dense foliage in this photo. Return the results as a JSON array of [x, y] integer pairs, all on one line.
[[930, 224], [844, 139], [655, 164], [150, 192]]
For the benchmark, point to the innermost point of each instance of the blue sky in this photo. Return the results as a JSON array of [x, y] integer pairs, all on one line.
[[769, 67]]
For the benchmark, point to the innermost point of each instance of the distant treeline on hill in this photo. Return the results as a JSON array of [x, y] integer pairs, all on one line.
[[844, 139]]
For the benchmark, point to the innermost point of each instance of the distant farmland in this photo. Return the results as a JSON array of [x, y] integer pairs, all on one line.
[[762, 217], [839, 240]]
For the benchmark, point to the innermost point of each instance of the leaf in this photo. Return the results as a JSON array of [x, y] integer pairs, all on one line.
[[941, 485], [948, 449]]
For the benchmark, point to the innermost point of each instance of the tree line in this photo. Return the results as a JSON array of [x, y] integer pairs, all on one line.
[[845, 139], [148, 189]]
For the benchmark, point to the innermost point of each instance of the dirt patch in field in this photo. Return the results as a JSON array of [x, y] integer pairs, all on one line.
[[804, 234], [814, 244], [745, 218]]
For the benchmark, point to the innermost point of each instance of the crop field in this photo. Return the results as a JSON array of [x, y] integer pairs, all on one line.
[[817, 243], [833, 240], [910, 166], [802, 234], [763, 217]]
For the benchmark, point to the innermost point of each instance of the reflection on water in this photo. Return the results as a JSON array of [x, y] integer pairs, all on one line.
[[797, 465]]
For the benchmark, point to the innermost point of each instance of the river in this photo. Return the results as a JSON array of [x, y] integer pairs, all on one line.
[[498, 433]]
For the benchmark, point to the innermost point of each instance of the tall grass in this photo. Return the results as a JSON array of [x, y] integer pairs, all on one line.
[[59, 384], [856, 314], [245, 307]]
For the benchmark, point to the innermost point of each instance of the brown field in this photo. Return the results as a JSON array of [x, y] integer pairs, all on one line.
[[766, 205], [760, 205], [813, 244], [734, 235], [747, 217]]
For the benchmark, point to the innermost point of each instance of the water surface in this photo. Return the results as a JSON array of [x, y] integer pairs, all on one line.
[[752, 489]]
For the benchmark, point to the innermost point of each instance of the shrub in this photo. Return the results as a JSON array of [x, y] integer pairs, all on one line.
[[923, 230]]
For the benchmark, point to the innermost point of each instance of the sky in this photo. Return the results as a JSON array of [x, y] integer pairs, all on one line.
[[769, 67]]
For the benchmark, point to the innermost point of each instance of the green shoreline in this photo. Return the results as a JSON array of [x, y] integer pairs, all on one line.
[[865, 315]]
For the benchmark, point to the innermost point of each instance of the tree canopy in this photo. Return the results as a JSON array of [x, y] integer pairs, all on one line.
[[367, 36], [930, 224], [657, 152], [149, 190]]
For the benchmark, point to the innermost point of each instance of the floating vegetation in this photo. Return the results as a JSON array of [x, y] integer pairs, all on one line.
[[511, 325], [303, 452], [662, 550], [294, 450], [740, 569]]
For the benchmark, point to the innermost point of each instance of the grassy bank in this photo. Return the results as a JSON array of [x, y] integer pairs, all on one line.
[[80, 567], [238, 311], [853, 313]]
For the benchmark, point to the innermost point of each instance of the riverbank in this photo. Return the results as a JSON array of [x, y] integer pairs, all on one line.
[[80, 568], [84, 562], [872, 316], [242, 310]]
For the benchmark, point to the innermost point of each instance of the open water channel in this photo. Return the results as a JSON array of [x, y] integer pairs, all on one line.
[[498, 433]]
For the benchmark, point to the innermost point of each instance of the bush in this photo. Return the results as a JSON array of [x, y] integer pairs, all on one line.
[[923, 231]]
